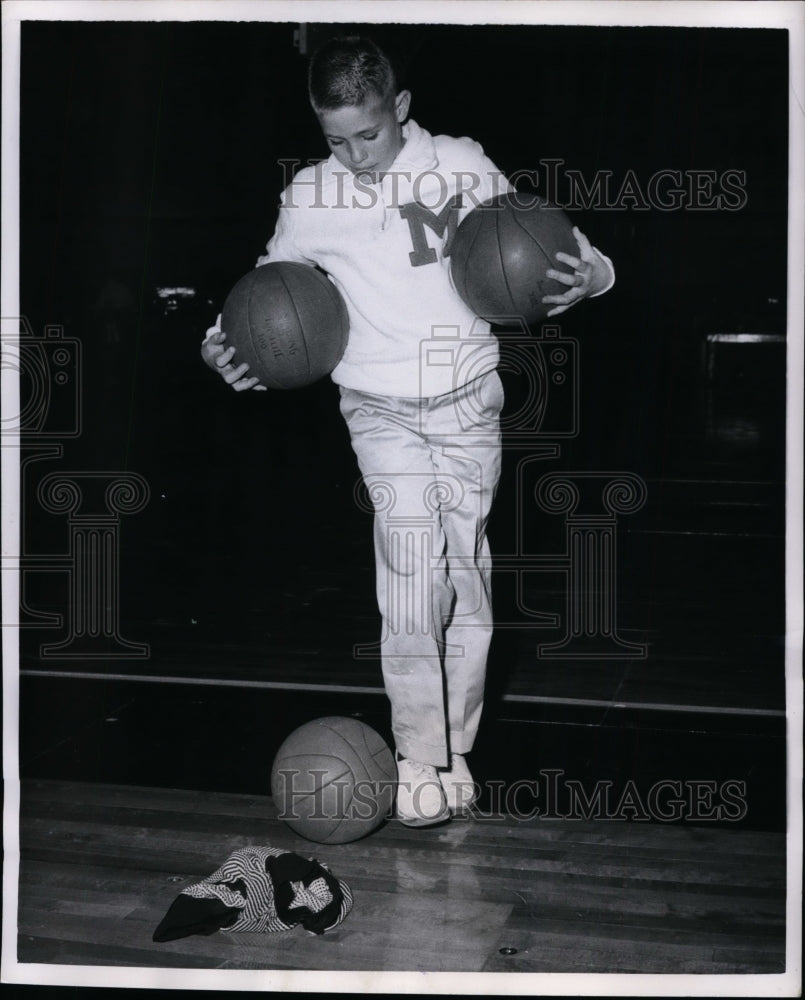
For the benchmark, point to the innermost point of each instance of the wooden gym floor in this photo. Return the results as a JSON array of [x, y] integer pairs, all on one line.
[[101, 864]]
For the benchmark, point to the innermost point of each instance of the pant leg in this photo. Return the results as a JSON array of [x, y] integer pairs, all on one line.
[[465, 437], [431, 468], [414, 595]]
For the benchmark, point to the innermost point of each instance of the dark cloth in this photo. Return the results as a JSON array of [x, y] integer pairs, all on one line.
[[259, 889]]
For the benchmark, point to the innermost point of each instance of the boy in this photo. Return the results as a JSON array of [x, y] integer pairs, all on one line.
[[377, 217]]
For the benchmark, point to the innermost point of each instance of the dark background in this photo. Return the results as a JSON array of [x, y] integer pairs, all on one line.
[[149, 160]]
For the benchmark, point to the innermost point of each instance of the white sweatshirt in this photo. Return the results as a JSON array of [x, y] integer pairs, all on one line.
[[383, 246]]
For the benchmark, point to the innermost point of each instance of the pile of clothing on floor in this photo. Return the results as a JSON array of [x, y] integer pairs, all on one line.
[[259, 889]]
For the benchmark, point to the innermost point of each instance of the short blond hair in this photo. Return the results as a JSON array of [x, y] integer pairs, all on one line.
[[345, 72]]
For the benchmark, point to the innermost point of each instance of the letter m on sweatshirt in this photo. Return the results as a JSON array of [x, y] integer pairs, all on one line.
[[418, 217]]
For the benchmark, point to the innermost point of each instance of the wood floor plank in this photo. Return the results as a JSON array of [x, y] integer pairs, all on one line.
[[200, 811], [435, 939], [669, 904], [560, 834], [637, 932], [610, 903], [572, 958], [138, 819], [199, 858], [55, 875], [134, 935], [133, 796], [54, 950], [41, 880], [198, 855], [182, 802], [632, 836]]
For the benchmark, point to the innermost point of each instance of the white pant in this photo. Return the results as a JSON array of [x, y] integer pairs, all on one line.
[[431, 467]]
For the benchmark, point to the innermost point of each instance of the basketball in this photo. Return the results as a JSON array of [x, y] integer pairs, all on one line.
[[501, 252], [333, 780], [288, 321]]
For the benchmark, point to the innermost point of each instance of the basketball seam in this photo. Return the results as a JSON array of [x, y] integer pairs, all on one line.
[[265, 371], [528, 233], [343, 819], [341, 309], [467, 256], [343, 738], [304, 756], [320, 791], [298, 317], [253, 348], [502, 262]]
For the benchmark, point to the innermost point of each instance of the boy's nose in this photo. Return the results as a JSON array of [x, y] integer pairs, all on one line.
[[357, 156]]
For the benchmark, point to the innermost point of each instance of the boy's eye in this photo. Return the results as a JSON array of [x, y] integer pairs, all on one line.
[[371, 137]]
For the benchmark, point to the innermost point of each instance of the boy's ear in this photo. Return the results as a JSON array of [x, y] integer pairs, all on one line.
[[402, 102]]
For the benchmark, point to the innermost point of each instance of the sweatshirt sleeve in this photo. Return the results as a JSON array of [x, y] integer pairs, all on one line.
[[483, 179], [283, 245], [611, 269]]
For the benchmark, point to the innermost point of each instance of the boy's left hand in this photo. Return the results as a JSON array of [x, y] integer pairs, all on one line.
[[590, 275]]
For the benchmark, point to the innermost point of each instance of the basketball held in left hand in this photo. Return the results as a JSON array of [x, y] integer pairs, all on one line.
[[288, 322]]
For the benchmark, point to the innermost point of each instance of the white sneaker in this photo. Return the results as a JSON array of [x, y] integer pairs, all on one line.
[[420, 798], [460, 790]]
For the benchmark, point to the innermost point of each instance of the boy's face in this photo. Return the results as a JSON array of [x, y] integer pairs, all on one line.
[[366, 138]]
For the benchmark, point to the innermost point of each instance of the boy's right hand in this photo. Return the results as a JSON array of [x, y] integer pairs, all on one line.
[[219, 358]]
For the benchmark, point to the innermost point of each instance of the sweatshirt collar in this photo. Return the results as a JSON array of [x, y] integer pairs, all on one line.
[[418, 152]]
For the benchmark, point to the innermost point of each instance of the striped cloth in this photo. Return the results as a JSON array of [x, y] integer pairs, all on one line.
[[262, 890]]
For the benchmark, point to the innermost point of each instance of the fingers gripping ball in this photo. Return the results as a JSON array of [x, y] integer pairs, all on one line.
[[288, 322], [501, 252], [333, 780]]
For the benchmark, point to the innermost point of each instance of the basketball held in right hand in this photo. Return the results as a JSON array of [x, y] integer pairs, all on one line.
[[219, 357]]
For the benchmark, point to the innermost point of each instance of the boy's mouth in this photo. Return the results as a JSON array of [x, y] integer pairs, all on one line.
[[370, 174]]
